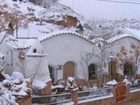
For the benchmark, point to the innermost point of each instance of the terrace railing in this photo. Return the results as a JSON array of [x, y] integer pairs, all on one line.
[[94, 93], [51, 99]]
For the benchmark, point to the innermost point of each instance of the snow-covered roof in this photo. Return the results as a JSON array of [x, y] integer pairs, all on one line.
[[27, 42], [118, 37], [23, 43], [62, 32], [128, 33], [19, 43], [98, 39]]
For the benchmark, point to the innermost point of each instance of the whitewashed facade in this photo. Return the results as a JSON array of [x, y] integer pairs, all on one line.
[[66, 53], [20, 56], [124, 49], [64, 48]]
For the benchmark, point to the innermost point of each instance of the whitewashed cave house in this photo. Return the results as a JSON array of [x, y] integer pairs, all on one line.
[[69, 54], [26, 56], [65, 53], [124, 54]]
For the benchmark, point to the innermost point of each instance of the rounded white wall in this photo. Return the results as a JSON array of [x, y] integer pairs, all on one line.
[[63, 48], [115, 47]]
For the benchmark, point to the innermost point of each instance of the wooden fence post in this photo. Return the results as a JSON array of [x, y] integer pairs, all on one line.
[[74, 96], [46, 90], [120, 93]]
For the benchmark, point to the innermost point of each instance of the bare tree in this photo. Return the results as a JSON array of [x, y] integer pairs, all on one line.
[[86, 58], [12, 21]]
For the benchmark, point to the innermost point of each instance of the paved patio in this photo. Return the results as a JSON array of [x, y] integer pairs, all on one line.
[[133, 102]]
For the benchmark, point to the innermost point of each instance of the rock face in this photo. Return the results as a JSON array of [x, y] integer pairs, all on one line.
[[40, 12], [66, 21]]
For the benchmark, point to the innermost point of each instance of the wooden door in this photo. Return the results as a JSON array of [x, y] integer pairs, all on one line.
[[112, 70], [128, 69], [92, 72], [68, 70]]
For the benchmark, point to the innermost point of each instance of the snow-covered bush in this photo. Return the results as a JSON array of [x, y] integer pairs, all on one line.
[[13, 87], [112, 83], [71, 84], [37, 84], [39, 87], [126, 80], [7, 98]]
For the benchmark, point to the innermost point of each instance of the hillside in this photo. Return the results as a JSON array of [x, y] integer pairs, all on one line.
[[32, 19]]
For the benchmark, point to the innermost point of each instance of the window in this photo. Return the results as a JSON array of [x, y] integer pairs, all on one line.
[[3, 58], [92, 72], [51, 70], [34, 50]]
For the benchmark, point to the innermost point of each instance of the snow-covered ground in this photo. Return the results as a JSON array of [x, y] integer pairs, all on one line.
[[36, 30], [23, 7]]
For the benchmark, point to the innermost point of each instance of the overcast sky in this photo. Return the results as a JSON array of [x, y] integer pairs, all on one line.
[[91, 9]]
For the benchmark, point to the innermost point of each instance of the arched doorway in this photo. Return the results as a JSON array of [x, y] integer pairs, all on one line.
[[112, 70], [68, 70], [92, 71], [128, 69]]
